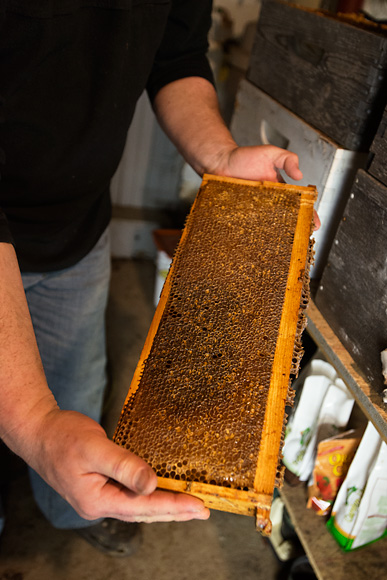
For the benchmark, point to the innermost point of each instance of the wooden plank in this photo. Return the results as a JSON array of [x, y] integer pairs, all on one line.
[[223, 498], [330, 72], [378, 167], [279, 383], [325, 555], [352, 295]]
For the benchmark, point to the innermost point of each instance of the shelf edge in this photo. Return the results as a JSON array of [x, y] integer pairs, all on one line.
[[369, 401]]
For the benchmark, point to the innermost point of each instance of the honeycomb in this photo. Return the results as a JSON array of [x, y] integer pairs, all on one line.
[[196, 411]]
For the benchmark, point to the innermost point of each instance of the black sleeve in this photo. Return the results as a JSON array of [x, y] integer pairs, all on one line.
[[183, 51], [5, 234]]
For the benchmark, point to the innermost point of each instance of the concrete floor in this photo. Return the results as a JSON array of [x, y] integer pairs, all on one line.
[[226, 547]]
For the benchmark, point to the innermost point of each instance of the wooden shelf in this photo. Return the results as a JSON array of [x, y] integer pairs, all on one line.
[[324, 553], [370, 402]]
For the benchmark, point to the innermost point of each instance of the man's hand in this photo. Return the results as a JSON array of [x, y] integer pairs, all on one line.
[[258, 163], [261, 163], [100, 479], [69, 450], [188, 111]]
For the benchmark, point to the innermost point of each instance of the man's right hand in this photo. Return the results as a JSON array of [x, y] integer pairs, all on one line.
[[100, 479], [69, 450]]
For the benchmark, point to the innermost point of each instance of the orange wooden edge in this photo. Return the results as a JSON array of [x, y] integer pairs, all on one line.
[[248, 503]]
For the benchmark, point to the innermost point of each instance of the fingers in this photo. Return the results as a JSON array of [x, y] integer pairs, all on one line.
[[316, 220], [108, 498], [131, 493], [125, 468], [100, 479], [261, 162], [120, 485], [290, 165], [160, 506]]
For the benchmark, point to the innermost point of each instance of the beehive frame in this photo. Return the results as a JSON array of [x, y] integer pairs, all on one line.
[[231, 203]]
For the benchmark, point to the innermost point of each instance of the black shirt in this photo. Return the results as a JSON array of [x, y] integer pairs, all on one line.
[[71, 72]]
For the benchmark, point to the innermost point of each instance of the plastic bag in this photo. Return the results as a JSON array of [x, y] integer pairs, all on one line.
[[317, 378], [332, 418], [333, 459], [354, 508]]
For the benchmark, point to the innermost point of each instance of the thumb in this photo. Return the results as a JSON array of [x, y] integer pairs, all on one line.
[[291, 167], [126, 468]]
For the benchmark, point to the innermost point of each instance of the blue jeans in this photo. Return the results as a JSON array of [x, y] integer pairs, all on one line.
[[68, 313]]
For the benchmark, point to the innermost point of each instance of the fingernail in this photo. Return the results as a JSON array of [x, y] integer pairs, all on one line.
[[204, 513], [198, 508], [142, 480]]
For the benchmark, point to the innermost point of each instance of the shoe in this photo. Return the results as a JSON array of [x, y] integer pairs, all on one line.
[[301, 569], [113, 537]]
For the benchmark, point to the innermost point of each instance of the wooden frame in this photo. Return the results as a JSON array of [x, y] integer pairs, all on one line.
[[258, 501]]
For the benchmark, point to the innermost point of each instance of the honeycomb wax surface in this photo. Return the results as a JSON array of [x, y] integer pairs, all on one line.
[[197, 413]]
